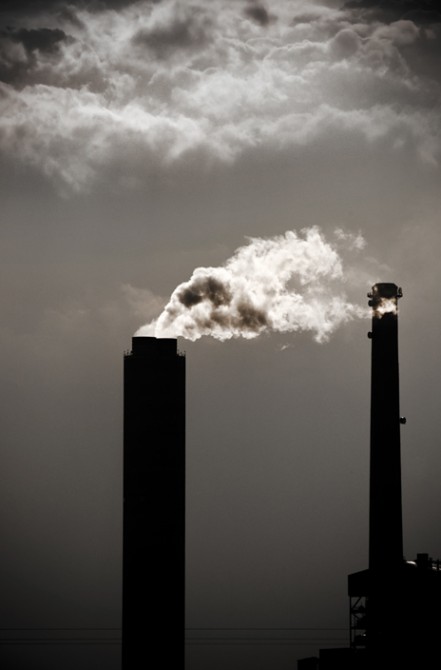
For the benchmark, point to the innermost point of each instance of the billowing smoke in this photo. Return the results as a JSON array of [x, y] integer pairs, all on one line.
[[291, 282]]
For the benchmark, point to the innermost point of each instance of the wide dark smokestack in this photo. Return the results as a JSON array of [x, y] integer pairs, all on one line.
[[154, 505], [385, 514]]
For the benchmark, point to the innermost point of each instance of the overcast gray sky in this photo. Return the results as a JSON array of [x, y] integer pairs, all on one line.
[[142, 140]]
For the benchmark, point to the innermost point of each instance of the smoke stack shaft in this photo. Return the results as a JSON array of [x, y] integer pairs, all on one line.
[[385, 513], [154, 505]]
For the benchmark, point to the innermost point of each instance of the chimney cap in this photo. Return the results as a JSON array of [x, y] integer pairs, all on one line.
[[385, 290], [154, 346]]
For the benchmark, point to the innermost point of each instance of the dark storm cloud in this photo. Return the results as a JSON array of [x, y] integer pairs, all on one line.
[[420, 11], [18, 51], [43, 39], [182, 30], [258, 13], [36, 6]]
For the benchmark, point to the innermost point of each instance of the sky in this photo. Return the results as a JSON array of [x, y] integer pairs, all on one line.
[[142, 144]]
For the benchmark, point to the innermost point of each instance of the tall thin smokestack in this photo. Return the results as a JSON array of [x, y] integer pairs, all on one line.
[[395, 605], [385, 514], [154, 505]]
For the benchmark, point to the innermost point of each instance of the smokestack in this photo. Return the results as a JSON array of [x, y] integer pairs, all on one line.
[[154, 505], [372, 591], [385, 513], [395, 612]]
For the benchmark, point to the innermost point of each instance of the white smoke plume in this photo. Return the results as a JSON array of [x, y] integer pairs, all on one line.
[[291, 282]]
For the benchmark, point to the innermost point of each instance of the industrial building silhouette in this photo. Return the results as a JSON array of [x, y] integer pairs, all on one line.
[[395, 605], [153, 618]]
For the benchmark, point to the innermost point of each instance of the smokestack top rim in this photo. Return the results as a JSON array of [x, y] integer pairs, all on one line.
[[387, 290], [154, 346]]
